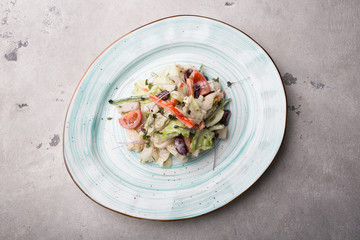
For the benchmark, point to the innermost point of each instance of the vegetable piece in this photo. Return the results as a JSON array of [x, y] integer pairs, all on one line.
[[202, 125], [181, 158], [218, 97], [202, 140], [136, 143], [189, 83], [217, 127], [222, 133], [180, 145], [220, 105], [187, 74], [168, 163], [201, 69], [160, 143], [161, 120], [149, 125], [179, 94], [192, 110], [145, 108], [209, 101], [196, 90], [138, 88], [148, 155], [225, 119], [195, 153], [173, 102], [201, 80], [188, 143], [164, 95], [130, 120], [173, 110], [170, 131], [164, 156], [214, 85], [215, 118], [129, 99], [125, 107], [163, 77]]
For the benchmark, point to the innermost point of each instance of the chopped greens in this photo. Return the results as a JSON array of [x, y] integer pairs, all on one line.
[[164, 119]]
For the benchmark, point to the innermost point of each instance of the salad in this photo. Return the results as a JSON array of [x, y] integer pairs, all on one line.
[[179, 112]]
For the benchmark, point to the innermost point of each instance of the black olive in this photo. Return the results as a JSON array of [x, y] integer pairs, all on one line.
[[225, 119], [197, 89], [164, 95], [187, 74], [180, 145]]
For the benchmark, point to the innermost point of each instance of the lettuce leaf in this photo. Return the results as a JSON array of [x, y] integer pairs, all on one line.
[[170, 131], [138, 86], [202, 140]]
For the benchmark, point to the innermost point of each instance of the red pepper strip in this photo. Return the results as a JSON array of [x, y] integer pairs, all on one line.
[[145, 89], [189, 83], [173, 110], [173, 102]]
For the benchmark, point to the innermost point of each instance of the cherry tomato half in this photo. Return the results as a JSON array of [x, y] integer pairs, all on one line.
[[131, 119]]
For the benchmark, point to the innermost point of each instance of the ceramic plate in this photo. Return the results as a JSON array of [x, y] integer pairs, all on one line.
[[114, 177]]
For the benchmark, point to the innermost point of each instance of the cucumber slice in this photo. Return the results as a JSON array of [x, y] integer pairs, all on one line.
[[129, 99], [217, 127], [215, 118]]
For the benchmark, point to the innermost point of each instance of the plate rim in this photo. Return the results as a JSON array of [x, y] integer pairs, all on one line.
[[131, 31]]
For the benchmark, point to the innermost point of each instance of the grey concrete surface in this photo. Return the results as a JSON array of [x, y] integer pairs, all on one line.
[[311, 191]]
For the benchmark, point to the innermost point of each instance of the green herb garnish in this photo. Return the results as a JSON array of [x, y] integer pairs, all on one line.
[[216, 79], [201, 70], [149, 84], [229, 83], [109, 118]]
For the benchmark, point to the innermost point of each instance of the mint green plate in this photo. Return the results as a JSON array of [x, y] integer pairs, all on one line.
[[115, 179]]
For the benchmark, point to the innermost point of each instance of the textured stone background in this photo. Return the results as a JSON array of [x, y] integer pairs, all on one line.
[[311, 191]]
